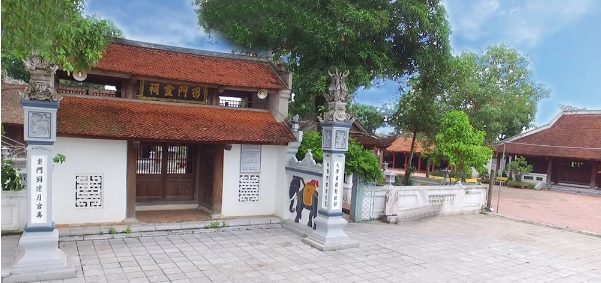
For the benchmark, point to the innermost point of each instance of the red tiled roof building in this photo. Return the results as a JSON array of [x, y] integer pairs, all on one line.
[[567, 150], [177, 127]]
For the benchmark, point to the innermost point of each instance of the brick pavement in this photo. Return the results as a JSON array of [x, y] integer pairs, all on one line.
[[580, 212], [469, 248]]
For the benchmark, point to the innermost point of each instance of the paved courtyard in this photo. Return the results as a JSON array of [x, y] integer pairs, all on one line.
[[470, 248], [580, 212]]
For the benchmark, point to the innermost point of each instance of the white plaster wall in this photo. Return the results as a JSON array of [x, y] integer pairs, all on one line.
[[89, 156], [270, 168]]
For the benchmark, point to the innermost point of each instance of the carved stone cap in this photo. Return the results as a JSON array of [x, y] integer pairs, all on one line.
[[41, 84]]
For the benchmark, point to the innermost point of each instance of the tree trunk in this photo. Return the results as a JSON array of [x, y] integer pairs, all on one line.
[[407, 173], [428, 168]]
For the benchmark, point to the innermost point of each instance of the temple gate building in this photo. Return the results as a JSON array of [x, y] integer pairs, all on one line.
[[181, 128]]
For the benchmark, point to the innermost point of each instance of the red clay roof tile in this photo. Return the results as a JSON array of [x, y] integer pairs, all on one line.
[[195, 68], [404, 145], [573, 135], [135, 119]]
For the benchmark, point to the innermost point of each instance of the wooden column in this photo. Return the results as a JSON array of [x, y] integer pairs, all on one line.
[[393, 158], [406, 156], [217, 180], [549, 170], [419, 162], [132, 166], [593, 174]]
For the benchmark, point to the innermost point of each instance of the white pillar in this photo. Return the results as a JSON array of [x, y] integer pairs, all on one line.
[[329, 231], [40, 259]]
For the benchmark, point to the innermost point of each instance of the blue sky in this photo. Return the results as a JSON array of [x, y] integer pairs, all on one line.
[[561, 38]]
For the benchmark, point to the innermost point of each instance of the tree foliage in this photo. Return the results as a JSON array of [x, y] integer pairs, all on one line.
[[419, 114], [371, 39], [460, 145], [56, 30], [520, 167], [368, 115], [358, 159], [496, 90]]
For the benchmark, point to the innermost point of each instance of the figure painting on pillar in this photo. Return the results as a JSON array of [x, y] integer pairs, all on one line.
[[305, 198]]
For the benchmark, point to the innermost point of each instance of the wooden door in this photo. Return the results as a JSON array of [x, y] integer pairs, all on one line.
[[165, 172], [179, 173], [149, 179], [205, 194]]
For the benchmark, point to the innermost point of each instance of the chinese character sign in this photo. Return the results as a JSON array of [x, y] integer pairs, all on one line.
[[173, 92], [326, 184], [338, 181], [38, 167]]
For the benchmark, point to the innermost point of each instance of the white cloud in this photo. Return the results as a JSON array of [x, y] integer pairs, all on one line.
[[170, 23], [519, 23]]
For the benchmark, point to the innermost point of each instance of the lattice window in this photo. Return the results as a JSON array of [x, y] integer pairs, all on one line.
[[441, 200], [249, 188], [88, 190]]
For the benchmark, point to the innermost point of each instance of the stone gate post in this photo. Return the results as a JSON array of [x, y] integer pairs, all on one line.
[[336, 123], [41, 258]]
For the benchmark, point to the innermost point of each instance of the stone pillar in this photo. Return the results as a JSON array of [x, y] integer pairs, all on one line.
[[41, 258], [593, 182], [336, 123]]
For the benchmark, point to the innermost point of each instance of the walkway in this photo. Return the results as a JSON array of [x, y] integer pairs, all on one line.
[[580, 212], [470, 248]]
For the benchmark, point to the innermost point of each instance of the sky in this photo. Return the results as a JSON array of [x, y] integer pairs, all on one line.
[[561, 38]]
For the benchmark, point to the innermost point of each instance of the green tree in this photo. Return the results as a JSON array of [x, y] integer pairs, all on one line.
[[371, 39], [358, 159], [496, 90], [14, 67], [368, 115], [56, 30], [419, 114], [520, 167], [460, 145]]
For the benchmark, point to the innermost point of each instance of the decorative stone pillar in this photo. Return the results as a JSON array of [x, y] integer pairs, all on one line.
[[336, 123], [40, 259]]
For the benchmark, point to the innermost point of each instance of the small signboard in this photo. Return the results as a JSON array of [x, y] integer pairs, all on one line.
[[250, 158], [173, 92], [39, 192]]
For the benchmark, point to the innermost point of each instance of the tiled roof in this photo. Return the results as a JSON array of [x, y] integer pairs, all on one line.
[[124, 119], [12, 111], [404, 145], [160, 62], [120, 118], [573, 135], [370, 141]]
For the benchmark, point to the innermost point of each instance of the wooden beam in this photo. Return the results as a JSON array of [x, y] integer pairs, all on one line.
[[593, 182], [406, 157], [132, 166], [217, 180]]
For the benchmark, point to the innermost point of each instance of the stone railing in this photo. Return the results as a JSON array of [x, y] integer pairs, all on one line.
[[447, 200]]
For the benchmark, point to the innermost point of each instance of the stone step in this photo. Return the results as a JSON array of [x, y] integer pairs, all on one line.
[[160, 229]]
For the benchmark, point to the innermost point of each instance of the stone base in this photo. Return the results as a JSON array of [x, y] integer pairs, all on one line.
[[39, 258], [392, 219], [329, 234]]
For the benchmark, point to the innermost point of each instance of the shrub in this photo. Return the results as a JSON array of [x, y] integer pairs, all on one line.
[[520, 184], [11, 179], [398, 180], [519, 167]]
